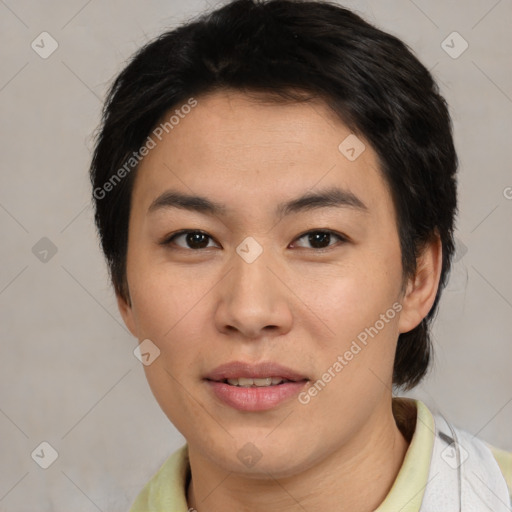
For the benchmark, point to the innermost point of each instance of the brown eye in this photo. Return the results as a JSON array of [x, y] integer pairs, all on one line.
[[194, 240], [321, 239]]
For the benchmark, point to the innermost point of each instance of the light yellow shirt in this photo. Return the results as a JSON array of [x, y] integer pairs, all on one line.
[[166, 491]]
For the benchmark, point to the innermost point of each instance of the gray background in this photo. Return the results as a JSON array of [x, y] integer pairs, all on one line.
[[68, 375]]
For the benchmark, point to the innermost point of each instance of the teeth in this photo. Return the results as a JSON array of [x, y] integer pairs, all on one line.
[[263, 382], [248, 382]]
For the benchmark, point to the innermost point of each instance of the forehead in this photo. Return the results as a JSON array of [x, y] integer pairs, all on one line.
[[249, 151]]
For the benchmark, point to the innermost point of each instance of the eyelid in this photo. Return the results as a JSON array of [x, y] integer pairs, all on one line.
[[342, 238], [169, 238]]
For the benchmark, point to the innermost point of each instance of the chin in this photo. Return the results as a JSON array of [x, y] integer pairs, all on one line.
[[260, 458]]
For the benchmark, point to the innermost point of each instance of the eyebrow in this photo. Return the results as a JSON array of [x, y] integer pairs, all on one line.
[[333, 197]]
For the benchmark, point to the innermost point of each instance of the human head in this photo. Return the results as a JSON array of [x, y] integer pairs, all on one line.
[[293, 51]]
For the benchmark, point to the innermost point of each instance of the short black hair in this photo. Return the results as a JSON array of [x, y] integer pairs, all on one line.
[[293, 50]]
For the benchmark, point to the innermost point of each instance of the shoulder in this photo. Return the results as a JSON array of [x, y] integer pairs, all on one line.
[[504, 460], [487, 463], [490, 465], [472, 458], [166, 490]]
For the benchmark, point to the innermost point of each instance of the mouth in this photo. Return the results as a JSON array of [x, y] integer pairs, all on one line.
[[255, 387], [248, 382], [239, 373]]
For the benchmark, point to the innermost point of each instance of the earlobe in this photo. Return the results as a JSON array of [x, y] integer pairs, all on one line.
[[126, 311], [422, 287]]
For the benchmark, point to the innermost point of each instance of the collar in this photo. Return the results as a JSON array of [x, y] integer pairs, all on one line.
[[407, 492]]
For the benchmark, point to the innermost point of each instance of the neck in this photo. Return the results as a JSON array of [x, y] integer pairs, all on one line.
[[357, 476]]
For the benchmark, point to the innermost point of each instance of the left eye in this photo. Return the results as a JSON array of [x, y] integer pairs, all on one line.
[[321, 239]]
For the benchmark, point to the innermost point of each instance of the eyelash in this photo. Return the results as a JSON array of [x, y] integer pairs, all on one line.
[[169, 239]]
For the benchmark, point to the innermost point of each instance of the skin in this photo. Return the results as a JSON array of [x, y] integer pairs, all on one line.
[[296, 304]]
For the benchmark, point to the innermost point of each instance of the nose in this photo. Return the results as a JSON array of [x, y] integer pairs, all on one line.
[[253, 301]]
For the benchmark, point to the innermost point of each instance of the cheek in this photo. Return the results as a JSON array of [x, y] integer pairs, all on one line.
[[171, 308], [358, 301], [164, 298], [357, 357], [351, 296], [169, 311]]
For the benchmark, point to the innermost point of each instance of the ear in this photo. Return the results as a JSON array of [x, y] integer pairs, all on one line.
[[422, 288], [126, 311]]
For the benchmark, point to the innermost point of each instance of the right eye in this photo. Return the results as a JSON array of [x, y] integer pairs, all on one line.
[[193, 239]]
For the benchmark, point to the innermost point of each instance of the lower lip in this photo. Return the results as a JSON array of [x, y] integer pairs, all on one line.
[[256, 398]]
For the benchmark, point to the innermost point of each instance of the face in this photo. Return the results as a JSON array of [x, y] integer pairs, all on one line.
[[291, 258]]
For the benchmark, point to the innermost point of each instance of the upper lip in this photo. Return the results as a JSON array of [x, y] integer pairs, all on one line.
[[235, 369]]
